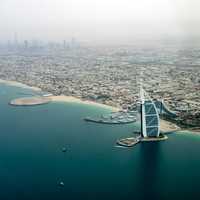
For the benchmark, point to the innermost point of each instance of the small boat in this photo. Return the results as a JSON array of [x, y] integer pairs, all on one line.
[[61, 184], [64, 149]]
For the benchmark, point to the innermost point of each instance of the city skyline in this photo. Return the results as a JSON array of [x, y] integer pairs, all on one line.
[[99, 22]]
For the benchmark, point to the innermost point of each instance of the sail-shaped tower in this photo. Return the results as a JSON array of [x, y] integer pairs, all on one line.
[[150, 121]]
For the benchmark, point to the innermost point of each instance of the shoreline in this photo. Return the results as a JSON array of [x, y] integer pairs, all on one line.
[[60, 98], [71, 99], [18, 84], [197, 131], [166, 126]]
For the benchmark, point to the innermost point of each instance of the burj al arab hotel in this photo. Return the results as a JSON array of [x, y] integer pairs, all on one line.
[[150, 121]]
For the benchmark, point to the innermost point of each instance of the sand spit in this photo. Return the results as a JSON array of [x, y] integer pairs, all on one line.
[[30, 101]]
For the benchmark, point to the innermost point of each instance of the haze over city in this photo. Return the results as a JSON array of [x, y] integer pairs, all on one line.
[[99, 99], [99, 21]]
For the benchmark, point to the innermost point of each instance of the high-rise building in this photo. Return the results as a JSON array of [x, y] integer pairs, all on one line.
[[15, 40], [150, 121], [26, 45]]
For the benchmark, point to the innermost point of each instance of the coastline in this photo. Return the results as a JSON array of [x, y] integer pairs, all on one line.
[[196, 131], [71, 99], [53, 98], [18, 84], [166, 126]]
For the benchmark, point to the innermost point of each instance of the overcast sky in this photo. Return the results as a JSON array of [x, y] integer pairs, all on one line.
[[99, 20]]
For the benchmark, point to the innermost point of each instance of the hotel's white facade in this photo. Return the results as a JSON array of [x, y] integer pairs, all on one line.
[[150, 121]]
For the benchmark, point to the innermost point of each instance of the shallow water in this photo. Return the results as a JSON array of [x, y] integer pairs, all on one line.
[[32, 163]]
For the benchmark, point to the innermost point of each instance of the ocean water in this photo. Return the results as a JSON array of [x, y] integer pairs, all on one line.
[[32, 163]]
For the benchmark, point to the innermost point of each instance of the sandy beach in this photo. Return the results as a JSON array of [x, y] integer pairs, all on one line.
[[72, 99], [166, 126], [61, 98], [30, 101]]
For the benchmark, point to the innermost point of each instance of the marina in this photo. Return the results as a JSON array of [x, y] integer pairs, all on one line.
[[114, 118]]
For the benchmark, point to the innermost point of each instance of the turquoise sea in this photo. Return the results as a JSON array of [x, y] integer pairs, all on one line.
[[32, 163]]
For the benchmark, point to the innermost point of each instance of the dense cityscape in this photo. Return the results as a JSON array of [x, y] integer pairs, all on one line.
[[110, 75], [99, 99]]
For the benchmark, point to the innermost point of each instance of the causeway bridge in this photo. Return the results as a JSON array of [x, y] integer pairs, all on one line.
[[163, 108]]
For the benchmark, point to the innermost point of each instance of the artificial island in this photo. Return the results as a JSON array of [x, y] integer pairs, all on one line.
[[150, 123], [149, 111]]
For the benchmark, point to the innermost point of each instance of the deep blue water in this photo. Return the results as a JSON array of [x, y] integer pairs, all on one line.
[[32, 163]]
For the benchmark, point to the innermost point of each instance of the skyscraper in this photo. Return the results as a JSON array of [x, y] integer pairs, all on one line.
[[150, 122], [15, 42]]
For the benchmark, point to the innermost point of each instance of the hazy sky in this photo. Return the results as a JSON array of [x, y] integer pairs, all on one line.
[[98, 20]]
